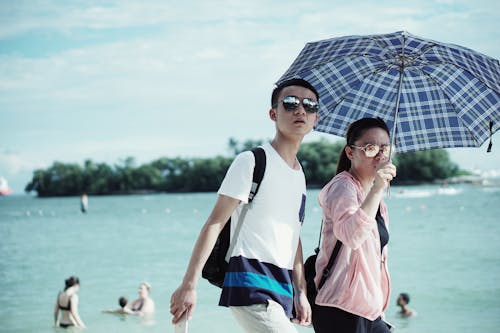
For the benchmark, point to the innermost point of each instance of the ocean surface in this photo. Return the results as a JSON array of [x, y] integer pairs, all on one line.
[[444, 250]]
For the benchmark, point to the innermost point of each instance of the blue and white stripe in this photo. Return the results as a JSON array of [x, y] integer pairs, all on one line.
[[249, 281]]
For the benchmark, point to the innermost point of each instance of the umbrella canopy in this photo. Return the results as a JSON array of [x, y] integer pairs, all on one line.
[[431, 94]]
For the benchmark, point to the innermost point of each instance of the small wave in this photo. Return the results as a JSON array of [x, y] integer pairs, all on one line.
[[425, 193], [414, 193], [448, 191]]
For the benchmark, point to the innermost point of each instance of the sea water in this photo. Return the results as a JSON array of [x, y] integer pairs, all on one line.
[[444, 250]]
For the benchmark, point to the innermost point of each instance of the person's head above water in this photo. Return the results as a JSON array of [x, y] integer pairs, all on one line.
[[122, 301]]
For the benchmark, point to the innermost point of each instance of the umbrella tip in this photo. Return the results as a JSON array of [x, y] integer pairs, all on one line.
[[491, 135]]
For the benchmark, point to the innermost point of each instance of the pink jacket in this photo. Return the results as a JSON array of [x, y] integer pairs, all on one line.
[[359, 282]]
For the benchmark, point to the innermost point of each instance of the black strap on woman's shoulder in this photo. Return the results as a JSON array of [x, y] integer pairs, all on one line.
[[327, 270], [335, 252]]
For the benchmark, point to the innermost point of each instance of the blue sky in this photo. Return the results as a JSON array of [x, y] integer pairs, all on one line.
[[104, 80]]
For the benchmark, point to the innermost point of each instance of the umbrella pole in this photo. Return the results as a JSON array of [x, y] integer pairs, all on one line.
[[396, 115], [402, 58]]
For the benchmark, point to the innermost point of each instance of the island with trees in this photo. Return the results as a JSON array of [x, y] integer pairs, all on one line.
[[318, 158]]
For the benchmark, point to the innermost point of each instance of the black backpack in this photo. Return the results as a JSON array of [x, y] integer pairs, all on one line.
[[216, 265]]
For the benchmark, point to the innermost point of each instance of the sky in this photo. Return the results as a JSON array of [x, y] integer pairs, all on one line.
[[105, 80]]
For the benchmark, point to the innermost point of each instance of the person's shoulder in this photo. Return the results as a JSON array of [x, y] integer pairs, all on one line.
[[245, 157], [343, 182], [408, 313], [73, 298]]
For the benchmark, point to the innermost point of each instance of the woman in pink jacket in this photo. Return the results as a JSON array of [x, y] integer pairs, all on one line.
[[356, 292]]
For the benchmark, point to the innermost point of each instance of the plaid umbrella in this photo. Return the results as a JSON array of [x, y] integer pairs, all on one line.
[[431, 94]]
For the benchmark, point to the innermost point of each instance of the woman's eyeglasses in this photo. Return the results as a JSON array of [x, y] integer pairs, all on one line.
[[291, 103], [371, 150]]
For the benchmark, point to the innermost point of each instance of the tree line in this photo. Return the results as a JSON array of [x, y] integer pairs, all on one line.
[[319, 160]]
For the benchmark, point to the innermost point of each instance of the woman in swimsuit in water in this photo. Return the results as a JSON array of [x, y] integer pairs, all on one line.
[[144, 304], [67, 303]]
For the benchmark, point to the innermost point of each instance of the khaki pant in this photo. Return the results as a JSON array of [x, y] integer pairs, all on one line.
[[263, 318]]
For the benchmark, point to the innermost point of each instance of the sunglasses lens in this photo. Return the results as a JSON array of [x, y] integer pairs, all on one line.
[[371, 150], [291, 103], [310, 105], [385, 150]]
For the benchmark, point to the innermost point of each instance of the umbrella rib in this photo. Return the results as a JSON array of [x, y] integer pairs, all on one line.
[[352, 55], [479, 78], [382, 46], [466, 70], [451, 104]]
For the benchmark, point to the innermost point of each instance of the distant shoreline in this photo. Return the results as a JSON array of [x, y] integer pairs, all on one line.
[[466, 179]]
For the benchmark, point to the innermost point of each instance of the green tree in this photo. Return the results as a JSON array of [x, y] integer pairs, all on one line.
[[146, 177], [174, 172], [235, 147], [319, 160], [60, 179], [206, 174], [124, 180], [424, 166]]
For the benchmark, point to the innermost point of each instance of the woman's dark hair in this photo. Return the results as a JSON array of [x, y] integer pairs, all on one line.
[[71, 281], [354, 132], [405, 297]]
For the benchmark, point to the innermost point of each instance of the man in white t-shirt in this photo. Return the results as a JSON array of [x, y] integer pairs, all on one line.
[[265, 273]]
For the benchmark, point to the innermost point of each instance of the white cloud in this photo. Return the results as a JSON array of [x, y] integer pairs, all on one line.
[[13, 163], [201, 73]]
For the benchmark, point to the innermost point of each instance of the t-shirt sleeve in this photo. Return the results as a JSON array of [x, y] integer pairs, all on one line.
[[238, 180]]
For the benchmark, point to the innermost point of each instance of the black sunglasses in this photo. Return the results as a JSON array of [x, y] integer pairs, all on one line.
[[291, 103]]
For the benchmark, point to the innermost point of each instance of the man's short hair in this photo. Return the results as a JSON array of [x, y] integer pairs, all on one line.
[[291, 82]]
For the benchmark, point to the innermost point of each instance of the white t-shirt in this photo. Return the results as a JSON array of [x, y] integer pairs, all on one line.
[[262, 260]]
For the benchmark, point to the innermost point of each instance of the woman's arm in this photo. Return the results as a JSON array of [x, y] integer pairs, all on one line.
[[120, 310], [385, 173], [74, 311], [131, 305], [351, 224], [56, 312]]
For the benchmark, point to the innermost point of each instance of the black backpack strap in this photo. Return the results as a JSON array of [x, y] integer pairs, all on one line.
[[258, 171], [258, 175], [329, 265], [328, 268]]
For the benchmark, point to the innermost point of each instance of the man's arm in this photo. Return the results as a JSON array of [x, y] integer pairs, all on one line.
[[184, 298], [302, 306]]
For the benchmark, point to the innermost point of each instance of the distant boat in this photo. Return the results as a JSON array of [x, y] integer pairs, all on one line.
[[4, 187]]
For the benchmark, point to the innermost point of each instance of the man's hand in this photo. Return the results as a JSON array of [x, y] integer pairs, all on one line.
[[303, 311], [182, 303]]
